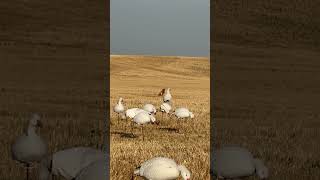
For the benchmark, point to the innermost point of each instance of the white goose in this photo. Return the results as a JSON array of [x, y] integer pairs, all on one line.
[[183, 113], [97, 170], [165, 108], [119, 108], [143, 118], [166, 95], [161, 168], [150, 108], [29, 147], [235, 162], [68, 162], [130, 113]]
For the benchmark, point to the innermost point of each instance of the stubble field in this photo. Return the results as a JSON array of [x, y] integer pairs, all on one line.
[[138, 79]]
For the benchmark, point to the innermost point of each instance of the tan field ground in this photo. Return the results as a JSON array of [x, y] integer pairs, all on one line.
[[72, 113], [266, 74], [138, 79], [270, 108], [53, 64]]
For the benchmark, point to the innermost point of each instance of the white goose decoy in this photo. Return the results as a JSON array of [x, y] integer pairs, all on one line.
[[68, 163], [130, 113], [165, 108], [29, 147], [161, 168], [119, 108], [183, 113], [235, 162], [166, 95], [97, 170], [143, 118], [150, 108]]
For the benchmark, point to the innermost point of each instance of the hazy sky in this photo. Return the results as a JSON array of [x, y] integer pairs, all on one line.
[[160, 27]]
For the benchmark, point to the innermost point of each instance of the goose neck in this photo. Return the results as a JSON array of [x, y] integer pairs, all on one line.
[[31, 131]]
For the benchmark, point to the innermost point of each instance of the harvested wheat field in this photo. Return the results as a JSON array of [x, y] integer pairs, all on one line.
[[138, 79], [266, 82], [52, 65], [72, 113]]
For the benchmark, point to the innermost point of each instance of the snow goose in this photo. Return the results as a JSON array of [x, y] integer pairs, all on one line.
[[165, 93], [235, 162], [165, 108], [150, 108], [161, 168], [68, 162], [29, 147], [97, 170], [130, 113], [183, 113], [119, 108], [143, 118]]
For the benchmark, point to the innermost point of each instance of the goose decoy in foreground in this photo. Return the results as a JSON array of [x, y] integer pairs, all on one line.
[[30, 147], [234, 162], [68, 163], [162, 168]]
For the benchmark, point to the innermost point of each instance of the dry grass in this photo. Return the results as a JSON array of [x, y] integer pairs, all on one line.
[[69, 102], [267, 100], [138, 79]]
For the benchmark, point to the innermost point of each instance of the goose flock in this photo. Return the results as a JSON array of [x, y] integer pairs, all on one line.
[[157, 168], [229, 162], [86, 163], [146, 114]]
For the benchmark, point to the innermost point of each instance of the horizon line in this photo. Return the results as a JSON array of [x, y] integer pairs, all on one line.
[[115, 55]]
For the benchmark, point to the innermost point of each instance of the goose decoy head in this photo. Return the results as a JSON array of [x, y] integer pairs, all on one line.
[[153, 120], [261, 170], [35, 121], [185, 173], [262, 173], [191, 115]]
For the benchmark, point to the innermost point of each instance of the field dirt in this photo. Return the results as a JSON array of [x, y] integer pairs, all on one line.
[[138, 79], [265, 74]]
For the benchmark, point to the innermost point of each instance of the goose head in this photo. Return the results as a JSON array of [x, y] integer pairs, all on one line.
[[185, 173], [261, 170], [153, 120], [191, 114], [123, 116], [35, 121]]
